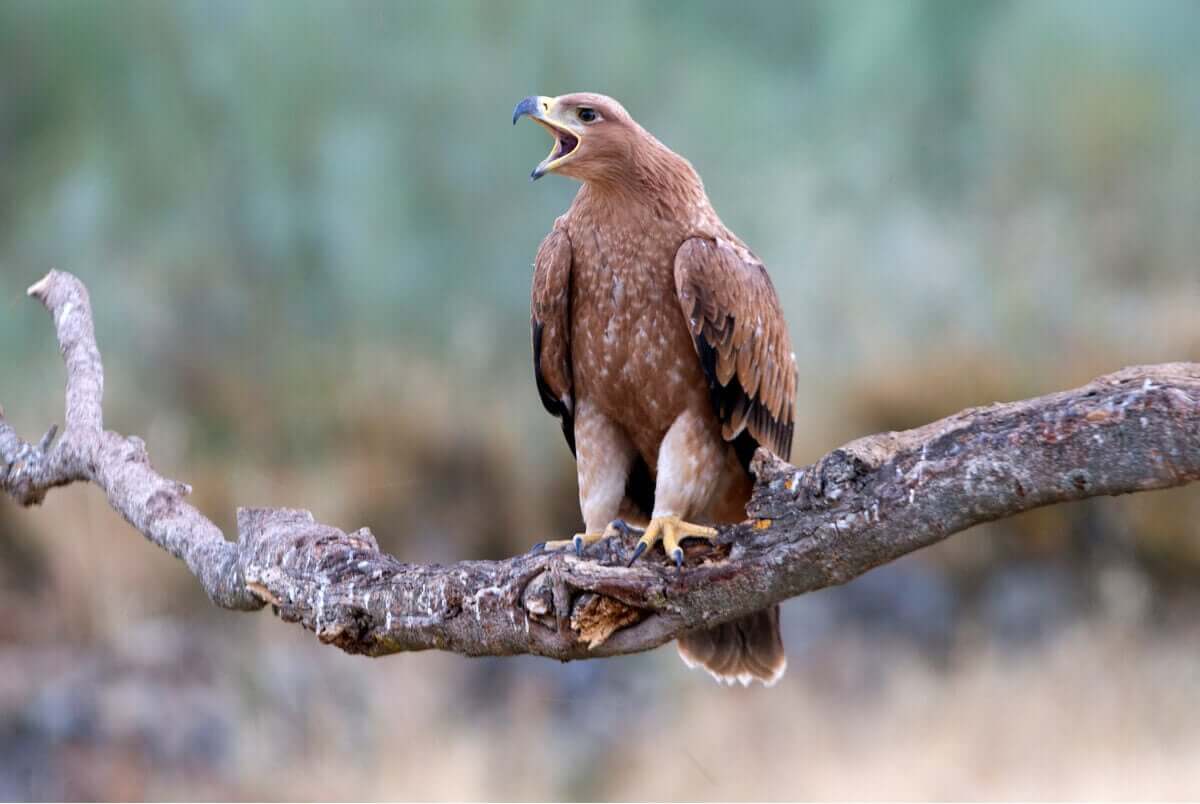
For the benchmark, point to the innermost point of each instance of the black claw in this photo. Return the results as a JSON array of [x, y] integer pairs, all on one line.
[[625, 528], [637, 552], [537, 548], [677, 554], [578, 545]]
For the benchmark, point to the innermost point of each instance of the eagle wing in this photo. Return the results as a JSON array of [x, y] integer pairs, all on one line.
[[550, 321], [740, 336]]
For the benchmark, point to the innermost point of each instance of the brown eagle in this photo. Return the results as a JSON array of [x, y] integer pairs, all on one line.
[[659, 341]]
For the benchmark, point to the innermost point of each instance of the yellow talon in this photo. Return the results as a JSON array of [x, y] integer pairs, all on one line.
[[579, 541], [671, 530]]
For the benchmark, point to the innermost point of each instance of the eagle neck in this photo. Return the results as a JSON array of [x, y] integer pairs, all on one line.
[[655, 177]]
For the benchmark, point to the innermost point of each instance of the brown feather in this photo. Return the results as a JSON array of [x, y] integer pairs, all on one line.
[[550, 311], [746, 340], [739, 651]]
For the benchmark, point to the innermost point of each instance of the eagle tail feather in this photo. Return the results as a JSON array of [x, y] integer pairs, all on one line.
[[743, 650]]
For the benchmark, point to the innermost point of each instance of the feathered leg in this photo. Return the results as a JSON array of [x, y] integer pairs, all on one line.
[[694, 476], [604, 455], [690, 461]]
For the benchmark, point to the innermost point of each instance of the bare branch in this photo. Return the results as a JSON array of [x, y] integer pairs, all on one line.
[[117, 464], [860, 506]]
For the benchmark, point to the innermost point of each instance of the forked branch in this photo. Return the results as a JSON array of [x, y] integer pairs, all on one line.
[[810, 527]]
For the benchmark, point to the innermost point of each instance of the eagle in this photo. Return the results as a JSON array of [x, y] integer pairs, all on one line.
[[659, 341]]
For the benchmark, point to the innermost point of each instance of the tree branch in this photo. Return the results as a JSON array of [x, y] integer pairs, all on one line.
[[810, 527]]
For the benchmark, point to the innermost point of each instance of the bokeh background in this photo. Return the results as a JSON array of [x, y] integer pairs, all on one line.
[[307, 231]]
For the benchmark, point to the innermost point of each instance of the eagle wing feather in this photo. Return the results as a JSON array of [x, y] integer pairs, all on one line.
[[550, 322], [740, 336]]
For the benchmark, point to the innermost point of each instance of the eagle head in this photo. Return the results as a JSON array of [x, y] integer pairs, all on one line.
[[594, 137]]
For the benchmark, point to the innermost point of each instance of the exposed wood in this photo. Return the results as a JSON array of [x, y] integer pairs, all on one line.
[[810, 527]]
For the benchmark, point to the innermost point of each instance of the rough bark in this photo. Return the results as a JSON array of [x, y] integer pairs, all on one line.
[[809, 527]]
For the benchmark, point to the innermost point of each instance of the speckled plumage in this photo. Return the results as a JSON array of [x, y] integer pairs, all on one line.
[[658, 337]]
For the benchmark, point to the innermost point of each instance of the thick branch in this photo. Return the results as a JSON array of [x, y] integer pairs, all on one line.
[[860, 506]]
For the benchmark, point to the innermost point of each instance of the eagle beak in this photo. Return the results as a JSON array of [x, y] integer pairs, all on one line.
[[534, 106], [543, 111]]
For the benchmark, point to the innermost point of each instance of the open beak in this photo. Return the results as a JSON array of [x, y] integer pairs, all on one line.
[[542, 110]]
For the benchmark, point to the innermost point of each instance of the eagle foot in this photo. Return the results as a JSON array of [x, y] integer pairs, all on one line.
[[671, 530], [579, 541]]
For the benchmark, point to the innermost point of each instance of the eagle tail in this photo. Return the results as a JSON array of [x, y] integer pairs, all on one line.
[[745, 650]]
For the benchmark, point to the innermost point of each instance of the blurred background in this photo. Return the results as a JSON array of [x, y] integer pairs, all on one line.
[[307, 231]]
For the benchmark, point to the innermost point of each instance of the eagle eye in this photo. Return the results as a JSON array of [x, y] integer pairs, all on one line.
[[586, 115]]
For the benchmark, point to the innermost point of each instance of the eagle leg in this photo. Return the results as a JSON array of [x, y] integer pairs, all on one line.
[[671, 530]]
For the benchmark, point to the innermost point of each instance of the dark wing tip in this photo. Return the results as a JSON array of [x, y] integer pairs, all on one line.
[[762, 429], [551, 403]]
